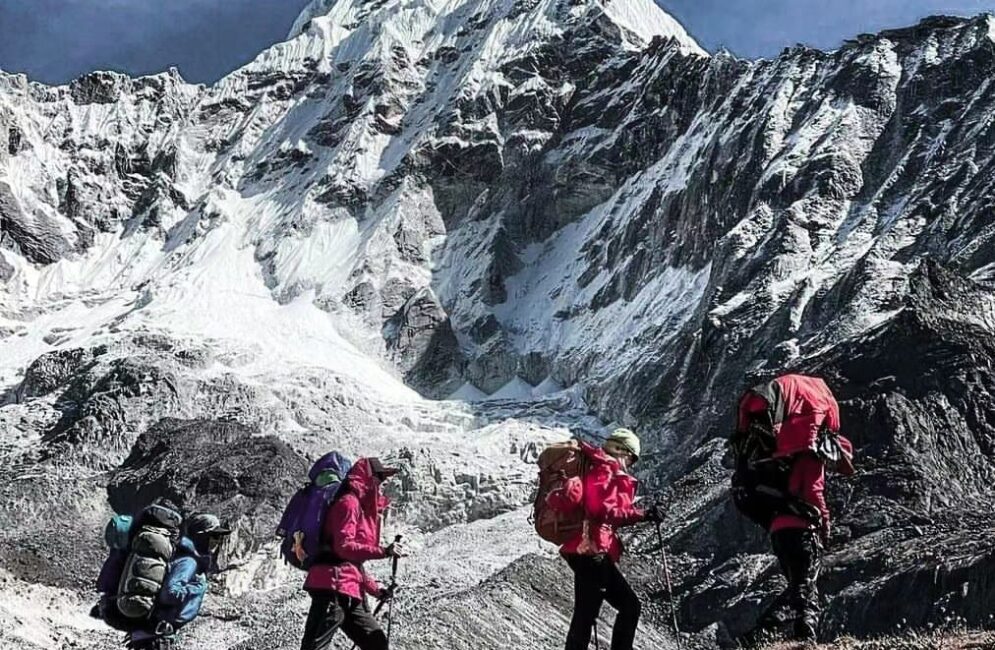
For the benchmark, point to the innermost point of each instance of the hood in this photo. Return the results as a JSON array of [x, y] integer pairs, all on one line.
[[365, 485], [186, 547], [597, 454], [333, 461]]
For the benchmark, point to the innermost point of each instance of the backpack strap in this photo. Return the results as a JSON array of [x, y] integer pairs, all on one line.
[[326, 555], [793, 505]]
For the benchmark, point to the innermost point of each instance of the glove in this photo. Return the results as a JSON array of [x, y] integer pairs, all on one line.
[[198, 585], [387, 593], [394, 550], [655, 513]]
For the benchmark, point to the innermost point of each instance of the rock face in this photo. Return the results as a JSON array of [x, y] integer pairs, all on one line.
[[211, 466], [918, 404], [204, 286]]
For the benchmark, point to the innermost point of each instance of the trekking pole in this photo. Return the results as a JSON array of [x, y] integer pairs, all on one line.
[[670, 589], [391, 588], [393, 584]]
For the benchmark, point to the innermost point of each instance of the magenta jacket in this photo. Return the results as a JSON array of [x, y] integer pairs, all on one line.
[[352, 531], [608, 496]]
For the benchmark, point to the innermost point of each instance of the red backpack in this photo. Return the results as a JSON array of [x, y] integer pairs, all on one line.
[[558, 511]]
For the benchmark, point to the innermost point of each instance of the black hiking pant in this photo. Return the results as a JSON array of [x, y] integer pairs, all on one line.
[[799, 553], [332, 611], [596, 580]]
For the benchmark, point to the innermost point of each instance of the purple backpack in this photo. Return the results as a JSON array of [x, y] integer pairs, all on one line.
[[301, 524]]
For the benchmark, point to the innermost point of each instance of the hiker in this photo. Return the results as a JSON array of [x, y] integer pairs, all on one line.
[[185, 583], [608, 495], [337, 581], [787, 431]]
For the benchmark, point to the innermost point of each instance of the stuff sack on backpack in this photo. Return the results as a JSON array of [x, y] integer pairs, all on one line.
[[117, 533], [153, 541], [558, 511], [302, 521], [116, 537], [776, 421]]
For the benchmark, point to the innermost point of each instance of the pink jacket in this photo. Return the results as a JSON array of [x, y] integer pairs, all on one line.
[[608, 495], [353, 528]]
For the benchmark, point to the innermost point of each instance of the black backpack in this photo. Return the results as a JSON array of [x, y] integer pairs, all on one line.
[[760, 481]]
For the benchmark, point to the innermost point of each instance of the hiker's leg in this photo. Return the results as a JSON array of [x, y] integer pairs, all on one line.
[[587, 600], [620, 595], [806, 604], [361, 627], [799, 554], [768, 621], [324, 617]]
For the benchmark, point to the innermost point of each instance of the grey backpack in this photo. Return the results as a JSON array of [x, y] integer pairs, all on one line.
[[153, 539]]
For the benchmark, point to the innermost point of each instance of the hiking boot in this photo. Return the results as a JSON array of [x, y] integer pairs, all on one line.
[[805, 630]]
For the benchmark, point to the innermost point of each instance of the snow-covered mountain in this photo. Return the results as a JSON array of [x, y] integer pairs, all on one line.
[[561, 214]]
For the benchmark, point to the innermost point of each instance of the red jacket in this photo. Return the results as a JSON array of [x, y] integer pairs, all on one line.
[[608, 496], [808, 405], [801, 406], [353, 528]]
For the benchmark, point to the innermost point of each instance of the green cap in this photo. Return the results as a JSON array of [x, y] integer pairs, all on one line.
[[627, 439]]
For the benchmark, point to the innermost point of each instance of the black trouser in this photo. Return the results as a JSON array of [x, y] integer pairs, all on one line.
[[597, 579], [331, 611], [799, 553]]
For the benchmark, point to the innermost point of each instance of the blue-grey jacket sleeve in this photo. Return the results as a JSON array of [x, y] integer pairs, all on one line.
[[181, 582]]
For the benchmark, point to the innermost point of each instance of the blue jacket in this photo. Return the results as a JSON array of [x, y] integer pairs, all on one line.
[[185, 585]]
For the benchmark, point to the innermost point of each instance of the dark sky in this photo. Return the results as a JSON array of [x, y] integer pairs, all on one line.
[[56, 40], [762, 28]]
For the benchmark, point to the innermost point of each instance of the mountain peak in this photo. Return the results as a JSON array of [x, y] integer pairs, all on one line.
[[647, 19], [313, 9], [641, 18]]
